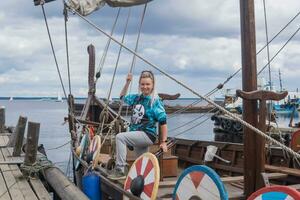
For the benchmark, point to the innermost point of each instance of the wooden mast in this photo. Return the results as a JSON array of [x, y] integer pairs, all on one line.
[[249, 71]]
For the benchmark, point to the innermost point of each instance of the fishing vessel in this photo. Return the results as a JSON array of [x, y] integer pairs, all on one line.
[[179, 173]]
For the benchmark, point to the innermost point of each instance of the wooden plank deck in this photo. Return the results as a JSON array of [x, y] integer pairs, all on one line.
[[13, 185]]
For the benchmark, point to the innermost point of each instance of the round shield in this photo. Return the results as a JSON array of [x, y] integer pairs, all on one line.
[[295, 143], [81, 149], [143, 177], [94, 149], [199, 182], [275, 192]]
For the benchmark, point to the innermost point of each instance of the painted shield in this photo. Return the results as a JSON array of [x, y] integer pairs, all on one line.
[[144, 170], [295, 143], [199, 182], [94, 149], [275, 192], [83, 145]]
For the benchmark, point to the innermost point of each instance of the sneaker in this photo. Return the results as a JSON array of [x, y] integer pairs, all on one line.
[[116, 174]]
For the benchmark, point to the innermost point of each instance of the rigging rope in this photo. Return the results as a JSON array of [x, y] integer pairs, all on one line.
[[115, 69], [67, 47], [131, 70], [279, 50], [102, 60], [53, 52], [246, 124], [267, 39]]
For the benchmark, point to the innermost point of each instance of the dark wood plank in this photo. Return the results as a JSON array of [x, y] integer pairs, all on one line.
[[39, 189], [10, 181], [21, 181]]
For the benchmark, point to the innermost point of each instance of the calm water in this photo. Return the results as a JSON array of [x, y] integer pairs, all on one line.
[[53, 131]]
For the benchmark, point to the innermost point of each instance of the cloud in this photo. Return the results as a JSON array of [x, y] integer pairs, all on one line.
[[197, 42]]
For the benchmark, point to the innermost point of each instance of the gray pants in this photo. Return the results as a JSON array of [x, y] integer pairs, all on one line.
[[137, 139]]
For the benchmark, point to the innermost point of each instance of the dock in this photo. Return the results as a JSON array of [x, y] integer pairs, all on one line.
[[25, 173], [13, 185]]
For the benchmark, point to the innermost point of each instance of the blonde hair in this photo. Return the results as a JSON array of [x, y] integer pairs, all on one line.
[[148, 74]]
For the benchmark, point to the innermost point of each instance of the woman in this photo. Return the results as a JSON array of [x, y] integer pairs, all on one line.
[[147, 111]]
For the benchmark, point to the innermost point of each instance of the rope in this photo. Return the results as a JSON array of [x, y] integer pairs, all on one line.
[[32, 170], [115, 69], [60, 146], [191, 90], [268, 55], [67, 47], [191, 121], [118, 58], [102, 61], [134, 58], [267, 39], [138, 39], [171, 115], [53, 52], [279, 50]]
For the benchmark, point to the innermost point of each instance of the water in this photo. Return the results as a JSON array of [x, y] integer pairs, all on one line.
[[53, 132]]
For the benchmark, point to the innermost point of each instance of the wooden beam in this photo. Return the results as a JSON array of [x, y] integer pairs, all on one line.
[[33, 132], [285, 170], [63, 187], [252, 146], [2, 119], [19, 136]]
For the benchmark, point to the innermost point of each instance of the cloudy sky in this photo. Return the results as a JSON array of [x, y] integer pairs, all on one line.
[[196, 41]]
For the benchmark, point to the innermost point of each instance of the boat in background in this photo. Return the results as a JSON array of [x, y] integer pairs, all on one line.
[[11, 99], [289, 105], [59, 98]]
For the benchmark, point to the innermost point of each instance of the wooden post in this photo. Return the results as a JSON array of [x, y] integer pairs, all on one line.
[[161, 157], [262, 96], [249, 71], [2, 119], [18, 136], [33, 132]]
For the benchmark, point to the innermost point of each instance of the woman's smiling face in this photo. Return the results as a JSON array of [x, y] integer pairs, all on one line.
[[146, 86]]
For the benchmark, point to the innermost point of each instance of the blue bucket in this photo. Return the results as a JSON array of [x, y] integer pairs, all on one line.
[[91, 186]]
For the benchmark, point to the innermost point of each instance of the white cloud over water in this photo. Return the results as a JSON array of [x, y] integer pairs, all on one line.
[[197, 42]]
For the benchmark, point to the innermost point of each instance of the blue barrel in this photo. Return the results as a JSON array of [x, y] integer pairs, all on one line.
[[91, 186]]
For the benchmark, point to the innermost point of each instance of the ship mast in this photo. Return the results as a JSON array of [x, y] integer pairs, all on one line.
[[280, 81], [253, 146]]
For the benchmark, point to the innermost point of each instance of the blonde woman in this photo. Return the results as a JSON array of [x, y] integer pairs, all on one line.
[[147, 110]]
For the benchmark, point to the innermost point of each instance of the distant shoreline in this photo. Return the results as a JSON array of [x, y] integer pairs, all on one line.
[[76, 98]]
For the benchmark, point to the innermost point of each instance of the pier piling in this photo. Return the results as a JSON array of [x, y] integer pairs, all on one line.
[[18, 136], [2, 119], [33, 132]]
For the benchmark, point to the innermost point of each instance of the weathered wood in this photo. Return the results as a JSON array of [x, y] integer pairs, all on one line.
[[32, 143], [249, 71], [286, 170], [262, 95], [9, 181], [21, 182], [91, 82], [39, 189], [63, 187], [2, 119], [18, 136], [164, 96]]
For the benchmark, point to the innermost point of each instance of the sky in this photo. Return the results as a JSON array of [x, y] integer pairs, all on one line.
[[196, 41]]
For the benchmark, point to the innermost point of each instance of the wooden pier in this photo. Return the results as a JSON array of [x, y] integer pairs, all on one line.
[[20, 172], [13, 185]]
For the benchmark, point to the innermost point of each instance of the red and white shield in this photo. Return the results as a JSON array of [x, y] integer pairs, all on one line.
[[147, 167]]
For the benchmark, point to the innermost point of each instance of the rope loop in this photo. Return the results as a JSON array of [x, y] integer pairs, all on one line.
[[32, 171]]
